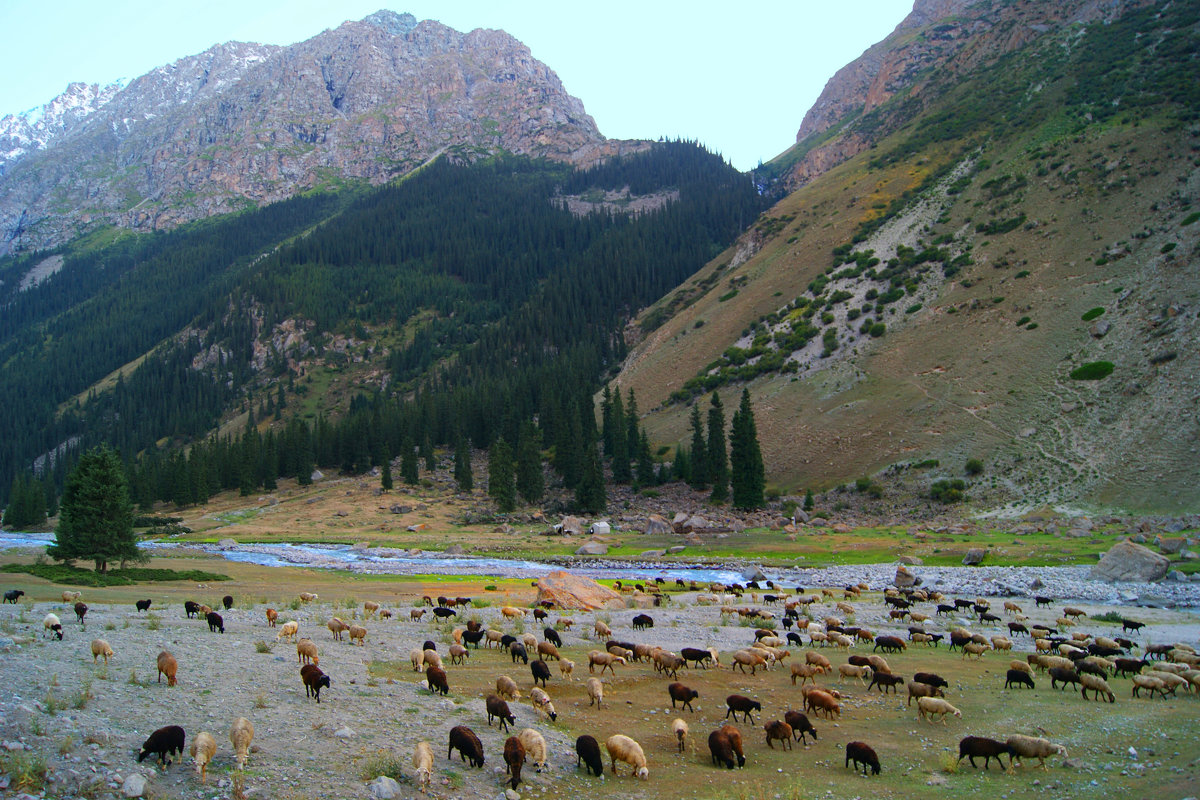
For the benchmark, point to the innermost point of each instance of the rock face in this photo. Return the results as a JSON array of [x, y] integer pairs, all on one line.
[[657, 526], [974, 556], [570, 591], [904, 579], [592, 548], [238, 123], [1127, 561]]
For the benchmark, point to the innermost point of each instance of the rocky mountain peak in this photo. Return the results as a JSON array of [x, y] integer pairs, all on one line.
[[390, 22]]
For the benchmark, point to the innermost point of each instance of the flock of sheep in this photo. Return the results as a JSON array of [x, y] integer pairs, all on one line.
[[783, 619]]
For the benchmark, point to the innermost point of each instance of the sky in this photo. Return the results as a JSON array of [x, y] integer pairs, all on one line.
[[737, 77]]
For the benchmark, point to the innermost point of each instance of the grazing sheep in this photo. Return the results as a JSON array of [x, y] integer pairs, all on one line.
[[928, 706], [535, 748], [643, 621], [1021, 666], [215, 622], [683, 694], [514, 759], [417, 657], [415, 615], [680, 729], [164, 743], [975, 649], [1022, 747], [1062, 675], [877, 663], [272, 615], [506, 687], [444, 613], [602, 630], [748, 657], [778, 729], [1001, 643], [931, 679], [81, 610], [227, 601], [541, 701], [337, 627], [167, 666], [459, 654], [422, 762], [308, 597], [736, 703], [52, 626], [204, 748], [1150, 683], [1017, 677], [800, 726], [430, 656], [358, 635], [288, 631], [605, 660], [595, 688], [1097, 685], [511, 612], [916, 689], [306, 652], [1169, 679], [700, 657], [314, 679], [101, 648], [817, 700], [370, 608], [241, 735], [567, 669], [587, 752], [547, 650], [1074, 612], [668, 663], [622, 748], [71, 597], [862, 753], [721, 749], [970, 747], [885, 681], [435, 678], [818, 660], [517, 650], [469, 748], [851, 671], [540, 672], [498, 709], [805, 672]]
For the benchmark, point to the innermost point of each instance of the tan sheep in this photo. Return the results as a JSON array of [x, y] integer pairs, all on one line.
[[928, 706], [879, 664], [605, 660], [680, 729], [748, 658], [1020, 666], [458, 654], [535, 747], [370, 608], [541, 701], [101, 648], [512, 612], [975, 649], [506, 687], [530, 642], [918, 690], [308, 597], [358, 635], [167, 665], [567, 668], [422, 762], [71, 597], [1001, 643], [851, 671], [385, 613], [432, 657], [1097, 685], [415, 615], [337, 627], [818, 660], [306, 652], [417, 657], [1150, 684], [622, 748], [272, 615], [204, 748], [241, 735], [1169, 679], [805, 672], [602, 630], [1022, 747], [288, 631], [595, 688], [492, 638]]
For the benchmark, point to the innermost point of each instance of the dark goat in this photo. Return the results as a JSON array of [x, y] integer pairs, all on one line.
[[215, 623], [1012, 678], [313, 679], [473, 637], [587, 752], [703, 658], [13, 595], [740, 704], [931, 679], [862, 754], [889, 644], [945, 609], [443, 612], [1064, 676], [1042, 601], [435, 677], [885, 682], [800, 726], [227, 601], [1128, 666], [1131, 625], [469, 748], [794, 638], [498, 709], [143, 605], [517, 650], [191, 608], [514, 758], [683, 694], [540, 671], [1014, 628], [164, 742], [551, 636], [721, 749], [971, 746], [643, 621], [80, 611], [506, 640], [429, 645]]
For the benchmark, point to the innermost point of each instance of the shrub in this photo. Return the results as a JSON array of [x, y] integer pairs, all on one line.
[[914, 308], [926, 464], [1022, 274], [948, 491], [1091, 314], [877, 330], [1022, 321], [973, 466], [1168, 247], [1092, 371], [261, 647], [1191, 218]]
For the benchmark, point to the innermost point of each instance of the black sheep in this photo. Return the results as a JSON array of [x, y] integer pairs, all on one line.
[[142, 605], [498, 709], [945, 609], [518, 651], [443, 612], [1064, 676], [12, 596], [721, 749], [643, 621], [1042, 601], [800, 726], [469, 748], [794, 638], [971, 746], [1128, 666], [435, 677], [862, 754], [429, 645], [215, 623], [540, 671], [1131, 625], [1015, 627], [506, 640], [164, 743], [683, 694], [473, 637], [931, 679], [889, 644], [514, 758], [227, 601], [551, 636], [587, 752], [191, 608], [739, 703], [885, 682], [1014, 677], [702, 657], [314, 679]]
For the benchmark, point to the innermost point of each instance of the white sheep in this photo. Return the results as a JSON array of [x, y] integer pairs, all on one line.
[[595, 689], [680, 728], [1096, 684], [530, 642], [288, 631], [1033, 747], [101, 648], [928, 706], [241, 734], [306, 652], [417, 656], [52, 626], [567, 668], [622, 748], [204, 747], [506, 687], [863, 673], [71, 597], [308, 597], [422, 762], [541, 701], [535, 747]]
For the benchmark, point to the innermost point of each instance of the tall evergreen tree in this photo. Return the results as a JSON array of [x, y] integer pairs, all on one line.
[[718, 456], [632, 429], [385, 475], [606, 421], [408, 463], [590, 495], [427, 452], [95, 518], [462, 465], [501, 483], [620, 437], [645, 462], [747, 475], [530, 484], [569, 447], [698, 453]]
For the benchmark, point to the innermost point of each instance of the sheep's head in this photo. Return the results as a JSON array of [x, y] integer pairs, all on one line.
[[643, 773]]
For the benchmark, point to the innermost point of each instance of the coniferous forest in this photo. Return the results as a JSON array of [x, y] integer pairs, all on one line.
[[500, 307]]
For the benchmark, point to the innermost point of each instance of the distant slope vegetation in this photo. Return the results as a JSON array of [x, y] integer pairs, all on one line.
[[933, 298], [472, 285]]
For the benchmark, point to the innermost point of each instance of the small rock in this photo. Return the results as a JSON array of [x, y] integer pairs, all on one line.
[[510, 794], [134, 786], [345, 732], [974, 556], [679, 548], [936, 780], [384, 788], [454, 550]]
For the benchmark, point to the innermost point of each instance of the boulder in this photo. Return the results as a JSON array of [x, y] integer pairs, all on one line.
[[420, 526], [225, 544], [592, 548], [696, 523], [400, 509], [1127, 561], [912, 561], [134, 785], [317, 475], [601, 528], [570, 526], [657, 526], [842, 527], [680, 518], [818, 522], [1172, 546], [800, 515], [454, 550], [569, 591], [679, 548], [753, 574], [653, 553], [904, 578], [384, 788], [974, 556]]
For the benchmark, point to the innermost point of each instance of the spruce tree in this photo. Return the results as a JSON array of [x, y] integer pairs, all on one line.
[[606, 421], [427, 452], [747, 475], [631, 425], [501, 484], [462, 465], [645, 462], [530, 484], [568, 447], [95, 519], [385, 477], [718, 457], [698, 478], [808, 500], [408, 463], [590, 495], [620, 449]]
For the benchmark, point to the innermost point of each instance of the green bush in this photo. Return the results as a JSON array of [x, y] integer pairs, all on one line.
[[1022, 321], [1091, 314], [77, 576], [1190, 218], [1168, 247], [973, 466], [1093, 371], [877, 330], [948, 491], [928, 463]]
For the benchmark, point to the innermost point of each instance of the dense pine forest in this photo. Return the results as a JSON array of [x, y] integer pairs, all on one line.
[[496, 306]]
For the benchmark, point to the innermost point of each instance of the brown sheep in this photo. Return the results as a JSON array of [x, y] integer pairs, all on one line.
[[337, 627], [358, 635], [272, 615], [778, 729], [306, 652], [167, 665]]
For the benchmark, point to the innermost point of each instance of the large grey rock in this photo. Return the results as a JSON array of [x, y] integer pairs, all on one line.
[[657, 526], [592, 549], [974, 556], [1172, 546], [753, 574], [384, 788], [1127, 561], [910, 561], [570, 526], [904, 578], [679, 548], [225, 544], [134, 785], [653, 553]]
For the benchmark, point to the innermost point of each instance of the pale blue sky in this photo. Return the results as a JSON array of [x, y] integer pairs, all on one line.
[[736, 76]]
